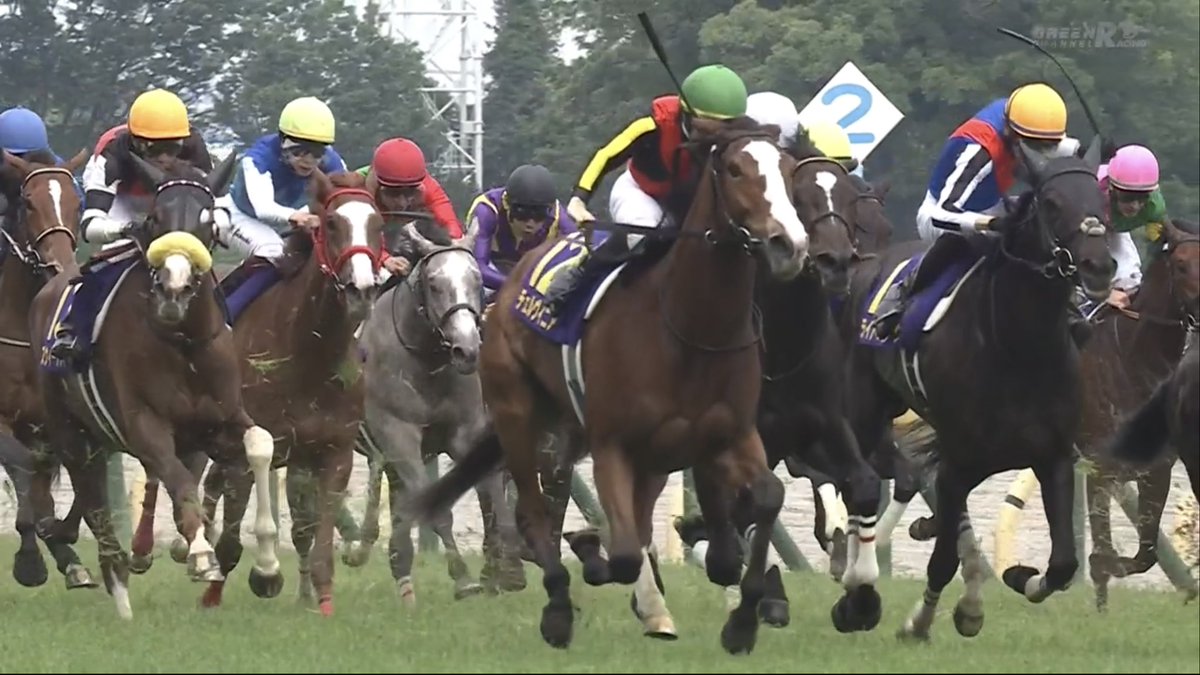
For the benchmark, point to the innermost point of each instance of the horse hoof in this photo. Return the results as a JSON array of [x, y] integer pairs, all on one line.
[[78, 576], [1017, 577], [858, 610], [356, 554], [740, 631], [659, 628], [140, 564], [408, 595], [212, 595], [912, 635], [558, 623], [203, 567], [29, 568], [774, 612], [468, 590], [922, 529], [265, 585], [967, 625], [179, 550]]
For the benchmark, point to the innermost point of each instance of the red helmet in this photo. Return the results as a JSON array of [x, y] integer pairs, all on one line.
[[399, 162]]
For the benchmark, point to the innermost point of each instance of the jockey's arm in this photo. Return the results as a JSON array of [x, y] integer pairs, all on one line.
[[966, 195], [608, 157], [438, 203], [101, 178], [1129, 262], [566, 224], [260, 191], [483, 222]]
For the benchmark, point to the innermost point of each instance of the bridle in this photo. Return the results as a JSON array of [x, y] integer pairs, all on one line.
[[415, 283], [28, 253], [1061, 263], [320, 239], [830, 213]]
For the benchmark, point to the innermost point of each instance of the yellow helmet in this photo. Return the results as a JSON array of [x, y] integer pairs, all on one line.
[[158, 114], [1037, 111], [309, 119], [830, 139]]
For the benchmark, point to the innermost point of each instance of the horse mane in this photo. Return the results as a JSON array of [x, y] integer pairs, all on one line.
[[435, 233], [802, 147], [1187, 226], [348, 179], [177, 167]]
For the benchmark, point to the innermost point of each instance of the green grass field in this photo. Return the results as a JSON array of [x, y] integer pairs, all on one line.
[[49, 629]]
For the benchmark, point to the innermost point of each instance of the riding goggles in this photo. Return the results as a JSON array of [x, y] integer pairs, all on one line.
[[528, 212], [300, 148], [158, 148]]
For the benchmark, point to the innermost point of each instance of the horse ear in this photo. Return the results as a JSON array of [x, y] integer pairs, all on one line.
[[881, 188], [1092, 155], [320, 187], [150, 172], [850, 164], [1035, 162], [222, 175], [78, 160], [17, 163]]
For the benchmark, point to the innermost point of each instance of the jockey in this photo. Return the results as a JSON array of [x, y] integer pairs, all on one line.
[[403, 183], [768, 107], [508, 221], [978, 164], [22, 133], [269, 194], [833, 142], [1130, 182], [115, 192], [655, 171]]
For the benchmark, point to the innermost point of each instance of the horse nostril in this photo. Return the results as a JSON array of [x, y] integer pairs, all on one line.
[[458, 353], [781, 245]]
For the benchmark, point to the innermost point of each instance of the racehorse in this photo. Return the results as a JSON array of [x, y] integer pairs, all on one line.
[[421, 348], [1130, 352], [1169, 418], [159, 306], [41, 234], [985, 356], [301, 370], [672, 381]]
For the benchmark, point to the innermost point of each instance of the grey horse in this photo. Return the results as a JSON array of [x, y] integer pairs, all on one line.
[[420, 350]]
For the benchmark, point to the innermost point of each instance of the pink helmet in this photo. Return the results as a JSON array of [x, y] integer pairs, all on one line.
[[1133, 168]]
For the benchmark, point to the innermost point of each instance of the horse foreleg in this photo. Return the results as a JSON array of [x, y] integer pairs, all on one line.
[[649, 603], [266, 579], [301, 499], [1057, 480], [747, 475], [236, 491], [1103, 556], [66, 559], [89, 478], [331, 490], [1153, 488], [357, 551], [860, 608], [29, 567], [400, 545], [142, 544]]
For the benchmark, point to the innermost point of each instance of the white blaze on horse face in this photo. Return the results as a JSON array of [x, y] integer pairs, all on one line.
[[456, 268], [358, 214], [782, 211], [826, 181], [56, 193], [178, 272]]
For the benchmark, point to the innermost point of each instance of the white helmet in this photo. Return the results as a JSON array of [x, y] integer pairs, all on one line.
[[768, 107]]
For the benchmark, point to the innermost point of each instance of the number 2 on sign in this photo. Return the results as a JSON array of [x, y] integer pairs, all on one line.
[[864, 106]]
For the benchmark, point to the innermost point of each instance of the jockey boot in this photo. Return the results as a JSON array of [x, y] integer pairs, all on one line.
[[66, 344], [296, 250], [595, 262]]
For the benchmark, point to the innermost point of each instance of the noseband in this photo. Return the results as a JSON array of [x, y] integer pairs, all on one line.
[[320, 238], [415, 283], [829, 214], [28, 253], [1061, 263]]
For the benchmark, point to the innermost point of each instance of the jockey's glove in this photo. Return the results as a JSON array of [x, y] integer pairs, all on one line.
[[1154, 231], [578, 210], [984, 223], [103, 229]]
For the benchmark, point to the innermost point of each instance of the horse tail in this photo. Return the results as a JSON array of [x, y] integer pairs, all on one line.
[[1142, 437], [483, 458]]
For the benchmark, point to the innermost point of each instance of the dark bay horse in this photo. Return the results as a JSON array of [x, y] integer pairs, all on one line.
[[996, 373], [1129, 354], [41, 232], [672, 381], [163, 309], [302, 375]]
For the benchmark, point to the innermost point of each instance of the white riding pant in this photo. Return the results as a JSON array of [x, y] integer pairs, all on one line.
[[628, 204], [250, 236]]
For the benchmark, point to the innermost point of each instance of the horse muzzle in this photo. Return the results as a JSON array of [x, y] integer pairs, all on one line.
[[784, 258]]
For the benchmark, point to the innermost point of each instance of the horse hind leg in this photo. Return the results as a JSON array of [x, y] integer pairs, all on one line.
[[401, 552], [142, 544], [464, 585], [1153, 488], [29, 567], [358, 550], [301, 499], [75, 575], [1103, 556], [968, 613], [236, 491]]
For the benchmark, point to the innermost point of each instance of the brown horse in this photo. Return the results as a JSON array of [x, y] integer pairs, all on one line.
[[41, 235], [162, 310], [672, 379], [300, 363], [1131, 351]]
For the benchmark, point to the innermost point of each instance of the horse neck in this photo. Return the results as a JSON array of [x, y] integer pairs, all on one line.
[[794, 315], [322, 330], [204, 318], [1028, 310], [707, 294], [1154, 341], [18, 285]]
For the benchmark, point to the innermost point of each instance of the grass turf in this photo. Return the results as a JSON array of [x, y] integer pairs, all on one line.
[[50, 629]]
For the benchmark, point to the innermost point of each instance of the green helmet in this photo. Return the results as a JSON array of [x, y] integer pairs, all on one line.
[[715, 92]]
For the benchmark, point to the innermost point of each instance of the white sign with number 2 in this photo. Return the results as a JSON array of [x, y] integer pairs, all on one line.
[[856, 105]]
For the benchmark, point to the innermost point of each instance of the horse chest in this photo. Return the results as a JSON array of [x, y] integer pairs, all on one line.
[[679, 438]]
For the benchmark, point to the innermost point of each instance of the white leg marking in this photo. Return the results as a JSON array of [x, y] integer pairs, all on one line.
[[862, 567], [260, 449], [833, 509], [891, 517], [656, 618], [120, 594]]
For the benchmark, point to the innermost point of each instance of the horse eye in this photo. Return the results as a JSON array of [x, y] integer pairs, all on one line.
[[735, 171]]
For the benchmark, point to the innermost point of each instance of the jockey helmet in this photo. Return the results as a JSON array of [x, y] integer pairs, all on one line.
[[830, 139], [715, 92], [530, 185], [22, 131], [307, 119], [398, 162], [1133, 169], [1037, 111], [158, 115], [768, 107]]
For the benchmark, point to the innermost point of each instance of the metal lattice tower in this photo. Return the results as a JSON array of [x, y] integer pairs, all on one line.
[[451, 35]]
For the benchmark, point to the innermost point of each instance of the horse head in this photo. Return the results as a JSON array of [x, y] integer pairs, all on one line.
[[1181, 245], [348, 242], [825, 197], [49, 205], [178, 234], [872, 226], [753, 205], [1059, 229]]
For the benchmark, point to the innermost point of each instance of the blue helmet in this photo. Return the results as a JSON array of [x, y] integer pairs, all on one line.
[[22, 131]]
